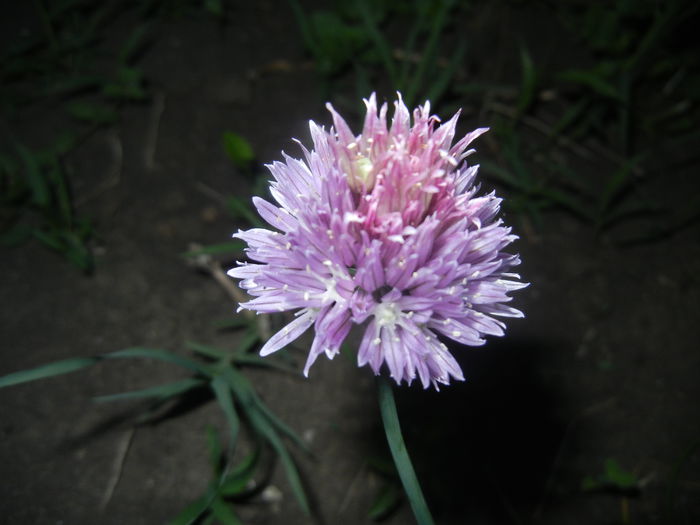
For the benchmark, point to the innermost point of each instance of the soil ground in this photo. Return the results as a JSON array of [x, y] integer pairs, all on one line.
[[604, 366]]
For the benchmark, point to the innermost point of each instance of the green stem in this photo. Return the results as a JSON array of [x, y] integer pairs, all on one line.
[[402, 461]]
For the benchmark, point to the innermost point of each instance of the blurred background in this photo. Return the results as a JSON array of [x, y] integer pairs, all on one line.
[[132, 137]]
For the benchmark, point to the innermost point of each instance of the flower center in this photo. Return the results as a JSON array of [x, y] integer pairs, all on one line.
[[386, 314], [360, 174]]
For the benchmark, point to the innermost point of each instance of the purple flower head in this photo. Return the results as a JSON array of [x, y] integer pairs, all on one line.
[[382, 231]]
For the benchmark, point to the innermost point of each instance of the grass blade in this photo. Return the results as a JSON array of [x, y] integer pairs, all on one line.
[[427, 57], [194, 510], [92, 113], [500, 173], [277, 422], [241, 209], [35, 179], [567, 202], [222, 390], [378, 39], [62, 193], [615, 185], [160, 355], [529, 82], [441, 83], [214, 446], [596, 82], [244, 393], [238, 150], [133, 44], [222, 512], [411, 41], [162, 391], [45, 371], [290, 467], [247, 342], [386, 501], [268, 362], [209, 351], [304, 27], [237, 481]]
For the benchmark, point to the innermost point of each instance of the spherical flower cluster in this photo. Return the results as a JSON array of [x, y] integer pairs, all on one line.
[[382, 231]]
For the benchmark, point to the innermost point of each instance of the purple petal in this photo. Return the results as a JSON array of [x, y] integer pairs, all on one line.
[[289, 333]]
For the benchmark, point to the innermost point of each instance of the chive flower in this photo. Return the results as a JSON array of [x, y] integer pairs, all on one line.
[[382, 231]]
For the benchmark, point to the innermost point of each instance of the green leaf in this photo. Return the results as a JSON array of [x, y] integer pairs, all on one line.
[[440, 84], [617, 476], [133, 43], [428, 54], [194, 510], [615, 184], [571, 115], [62, 144], [208, 520], [237, 481], [567, 202], [238, 149], [75, 250], [265, 362], [223, 395], [60, 186], [127, 85], [214, 445], [335, 43], [382, 465], [304, 25], [287, 462], [386, 502], [51, 238], [70, 365], [161, 355], [242, 209], [251, 337], [592, 80], [380, 42], [207, 350], [419, 22], [630, 210], [502, 174], [93, 113], [245, 394], [163, 391], [45, 371], [222, 511], [529, 82], [35, 178], [277, 422]]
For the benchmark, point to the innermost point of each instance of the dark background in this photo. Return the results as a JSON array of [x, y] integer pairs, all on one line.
[[585, 412]]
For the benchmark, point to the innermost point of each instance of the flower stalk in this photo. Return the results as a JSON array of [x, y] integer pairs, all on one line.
[[392, 427]]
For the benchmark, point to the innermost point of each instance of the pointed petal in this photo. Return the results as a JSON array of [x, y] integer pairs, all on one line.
[[289, 333]]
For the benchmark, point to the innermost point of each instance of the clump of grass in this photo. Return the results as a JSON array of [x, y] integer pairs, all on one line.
[[72, 71], [576, 138]]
